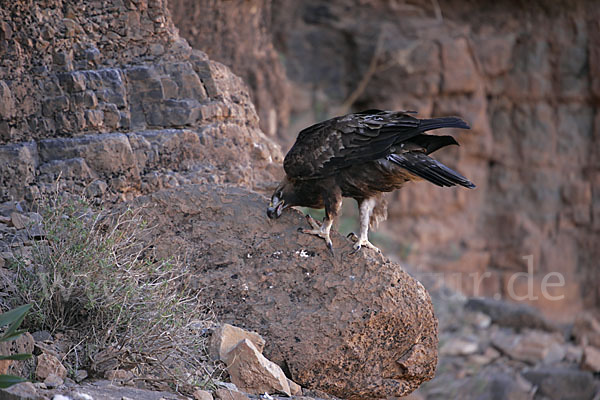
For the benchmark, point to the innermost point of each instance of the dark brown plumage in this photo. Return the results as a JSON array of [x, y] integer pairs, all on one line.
[[362, 155]]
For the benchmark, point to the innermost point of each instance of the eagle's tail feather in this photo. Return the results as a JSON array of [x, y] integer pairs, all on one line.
[[430, 169], [443, 122]]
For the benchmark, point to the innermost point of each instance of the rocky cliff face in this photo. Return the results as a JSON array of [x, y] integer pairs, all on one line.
[[108, 98], [525, 75], [239, 33]]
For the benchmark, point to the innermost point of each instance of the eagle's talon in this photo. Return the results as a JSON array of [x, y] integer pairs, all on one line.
[[356, 249], [352, 236], [364, 243], [330, 247], [322, 233]]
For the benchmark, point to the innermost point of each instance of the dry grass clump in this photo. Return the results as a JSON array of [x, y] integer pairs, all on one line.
[[92, 277]]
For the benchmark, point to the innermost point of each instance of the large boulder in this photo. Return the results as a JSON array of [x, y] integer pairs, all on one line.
[[354, 326]]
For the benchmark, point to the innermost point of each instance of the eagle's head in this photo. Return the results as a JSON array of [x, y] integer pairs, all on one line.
[[282, 198]]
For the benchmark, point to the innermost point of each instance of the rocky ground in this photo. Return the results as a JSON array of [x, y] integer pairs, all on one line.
[[488, 349]]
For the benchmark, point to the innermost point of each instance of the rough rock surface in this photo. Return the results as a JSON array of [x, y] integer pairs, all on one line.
[[525, 76], [239, 33], [353, 326], [110, 99]]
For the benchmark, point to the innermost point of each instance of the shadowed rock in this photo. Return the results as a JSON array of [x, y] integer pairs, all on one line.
[[353, 326]]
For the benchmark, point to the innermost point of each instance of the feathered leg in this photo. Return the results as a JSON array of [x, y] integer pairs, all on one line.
[[332, 208], [365, 208]]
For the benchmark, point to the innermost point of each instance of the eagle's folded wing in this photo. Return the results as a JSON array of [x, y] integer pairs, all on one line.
[[323, 149]]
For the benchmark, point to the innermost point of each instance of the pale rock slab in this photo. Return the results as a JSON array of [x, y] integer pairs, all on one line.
[[226, 337], [253, 373]]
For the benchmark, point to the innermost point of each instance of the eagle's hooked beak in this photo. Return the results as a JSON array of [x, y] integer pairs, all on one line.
[[275, 208]]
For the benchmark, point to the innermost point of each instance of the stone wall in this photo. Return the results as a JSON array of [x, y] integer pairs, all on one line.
[[105, 96], [525, 76]]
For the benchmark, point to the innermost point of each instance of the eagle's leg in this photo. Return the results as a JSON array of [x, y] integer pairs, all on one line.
[[332, 208], [365, 208], [322, 232]]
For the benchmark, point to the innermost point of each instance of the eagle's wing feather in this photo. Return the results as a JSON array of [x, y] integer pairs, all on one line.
[[427, 168], [323, 149]]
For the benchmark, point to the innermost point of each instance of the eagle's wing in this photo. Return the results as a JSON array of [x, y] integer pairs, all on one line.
[[323, 149], [430, 169]]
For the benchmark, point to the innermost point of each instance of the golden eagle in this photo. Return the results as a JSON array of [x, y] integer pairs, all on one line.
[[361, 156]]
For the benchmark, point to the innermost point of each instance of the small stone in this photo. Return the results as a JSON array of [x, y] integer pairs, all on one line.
[[490, 354], [19, 221], [561, 383], [96, 188], [226, 337], [120, 375], [82, 396], [48, 364], [72, 82], [73, 27], [586, 330], [94, 118], [92, 54], [591, 359], [478, 319], [574, 353], [156, 49], [200, 394], [80, 375], [228, 394], [295, 389], [532, 347], [53, 381], [253, 373], [518, 316], [226, 385], [457, 346]]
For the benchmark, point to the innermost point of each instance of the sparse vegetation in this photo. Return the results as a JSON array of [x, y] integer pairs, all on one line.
[[92, 277]]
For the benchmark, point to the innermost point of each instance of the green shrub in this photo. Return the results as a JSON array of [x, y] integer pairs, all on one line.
[[13, 320]]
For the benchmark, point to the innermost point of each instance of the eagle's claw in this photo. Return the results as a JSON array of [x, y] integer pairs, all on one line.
[[312, 222], [330, 247], [320, 230], [352, 236], [360, 243]]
